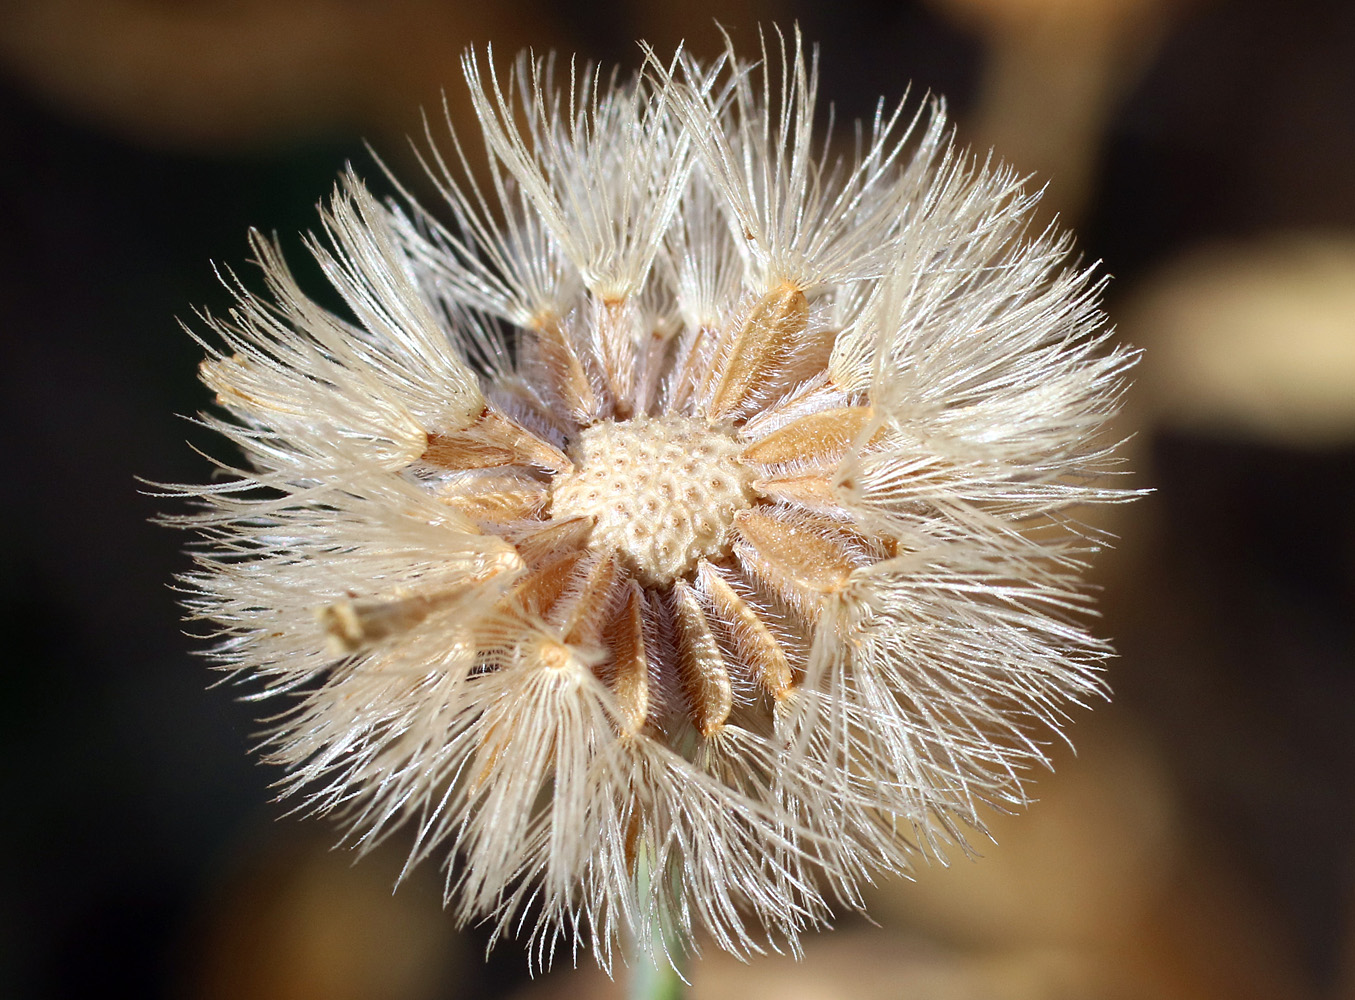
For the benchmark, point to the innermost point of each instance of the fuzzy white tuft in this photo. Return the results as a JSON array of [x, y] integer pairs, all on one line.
[[694, 500]]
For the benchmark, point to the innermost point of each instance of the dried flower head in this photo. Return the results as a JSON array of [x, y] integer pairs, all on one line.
[[694, 499]]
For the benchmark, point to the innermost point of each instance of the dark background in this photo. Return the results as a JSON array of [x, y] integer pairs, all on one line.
[[138, 841]]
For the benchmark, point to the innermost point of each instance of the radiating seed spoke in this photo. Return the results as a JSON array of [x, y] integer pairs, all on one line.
[[590, 608], [492, 440], [555, 537], [569, 379], [615, 335], [692, 363], [539, 590], [758, 648], [354, 625], [703, 674], [351, 626], [816, 440], [497, 497], [630, 669], [800, 558], [650, 370], [763, 343], [814, 492]]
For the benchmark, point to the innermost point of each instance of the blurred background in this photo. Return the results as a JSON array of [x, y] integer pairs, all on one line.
[[1202, 842]]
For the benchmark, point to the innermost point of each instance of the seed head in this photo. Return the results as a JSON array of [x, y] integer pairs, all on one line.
[[695, 496]]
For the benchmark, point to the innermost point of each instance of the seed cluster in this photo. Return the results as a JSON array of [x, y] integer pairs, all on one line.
[[688, 554], [680, 492]]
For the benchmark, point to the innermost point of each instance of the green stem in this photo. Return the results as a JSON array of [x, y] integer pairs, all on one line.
[[653, 980], [652, 972]]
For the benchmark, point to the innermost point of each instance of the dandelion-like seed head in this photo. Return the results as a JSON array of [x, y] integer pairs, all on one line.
[[686, 498]]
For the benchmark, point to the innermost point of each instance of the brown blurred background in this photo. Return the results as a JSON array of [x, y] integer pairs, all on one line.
[[1202, 842]]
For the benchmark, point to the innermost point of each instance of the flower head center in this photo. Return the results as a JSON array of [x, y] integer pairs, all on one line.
[[664, 491]]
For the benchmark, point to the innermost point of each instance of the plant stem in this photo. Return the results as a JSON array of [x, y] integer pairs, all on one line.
[[653, 972], [654, 979]]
